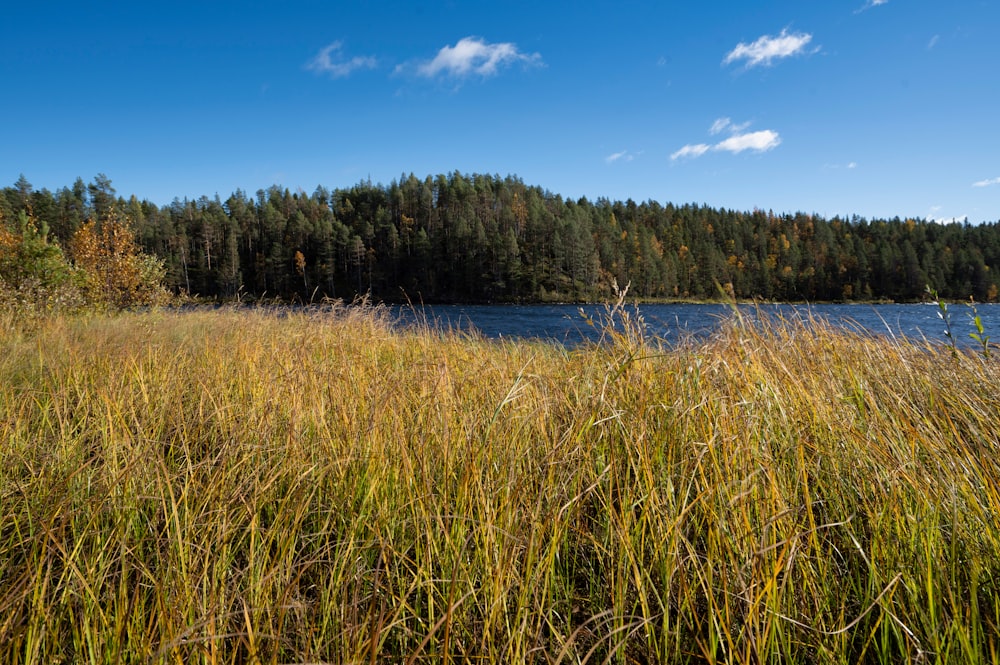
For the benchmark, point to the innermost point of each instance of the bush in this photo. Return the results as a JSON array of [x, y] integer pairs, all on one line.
[[34, 273], [115, 271], [105, 268]]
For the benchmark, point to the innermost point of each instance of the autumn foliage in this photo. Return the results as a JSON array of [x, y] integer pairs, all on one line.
[[114, 270], [34, 272], [103, 267]]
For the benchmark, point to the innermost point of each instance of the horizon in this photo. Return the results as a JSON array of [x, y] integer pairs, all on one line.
[[252, 195], [869, 108]]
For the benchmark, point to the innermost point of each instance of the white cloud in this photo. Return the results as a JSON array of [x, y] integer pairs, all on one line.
[[719, 126], [472, 55], [725, 124], [871, 3], [696, 150], [987, 183], [852, 165], [624, 156], [761, 141], [932, 216], [768, 48], [958, 219], [738, 142], [933, 42], [329, 61]]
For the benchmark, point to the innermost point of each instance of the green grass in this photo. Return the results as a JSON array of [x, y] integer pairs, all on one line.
[[241, 487]]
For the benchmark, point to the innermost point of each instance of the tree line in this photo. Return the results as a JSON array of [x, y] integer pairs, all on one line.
[[482, 238]]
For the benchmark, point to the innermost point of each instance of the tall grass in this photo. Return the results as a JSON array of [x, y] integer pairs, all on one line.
[[242, 487]]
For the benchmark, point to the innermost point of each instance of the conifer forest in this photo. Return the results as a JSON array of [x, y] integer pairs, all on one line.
[[485, 238]]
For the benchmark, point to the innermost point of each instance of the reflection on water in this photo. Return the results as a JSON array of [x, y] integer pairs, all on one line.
[[568, 324]]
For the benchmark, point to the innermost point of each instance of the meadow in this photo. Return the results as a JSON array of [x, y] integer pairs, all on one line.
[[315, 486]]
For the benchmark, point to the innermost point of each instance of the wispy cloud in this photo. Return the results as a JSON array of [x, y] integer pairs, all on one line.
[[472, 55], [869, 4], [933, 42], [987, 183], [691, 150], [767, 49], [760, 141], [624, 156], [330, 60], [724, 124]]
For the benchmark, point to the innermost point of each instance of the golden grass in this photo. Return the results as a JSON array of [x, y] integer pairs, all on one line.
[[237, 487]]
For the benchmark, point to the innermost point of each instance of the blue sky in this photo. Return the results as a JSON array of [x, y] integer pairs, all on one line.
[[871, 107]]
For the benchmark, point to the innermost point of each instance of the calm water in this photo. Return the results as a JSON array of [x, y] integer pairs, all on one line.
[[566, 324]]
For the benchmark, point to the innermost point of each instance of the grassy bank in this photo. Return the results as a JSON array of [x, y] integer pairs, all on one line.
[[227, 487]]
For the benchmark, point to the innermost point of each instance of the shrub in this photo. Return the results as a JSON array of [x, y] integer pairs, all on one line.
[[34, 272], [115, 271]]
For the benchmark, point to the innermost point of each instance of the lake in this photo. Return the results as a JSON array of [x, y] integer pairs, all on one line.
[[567, 324]]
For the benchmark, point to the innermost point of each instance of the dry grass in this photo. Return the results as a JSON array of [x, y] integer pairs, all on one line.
[[234, 487]]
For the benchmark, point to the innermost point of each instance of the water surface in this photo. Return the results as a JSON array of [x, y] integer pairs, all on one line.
[[569, 324]]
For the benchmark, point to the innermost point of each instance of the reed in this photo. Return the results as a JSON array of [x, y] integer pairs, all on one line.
[[279, 487]]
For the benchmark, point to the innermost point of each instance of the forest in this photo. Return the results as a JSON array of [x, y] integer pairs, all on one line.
[[485, 238]]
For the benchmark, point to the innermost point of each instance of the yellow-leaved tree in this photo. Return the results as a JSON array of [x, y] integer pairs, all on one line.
[[115, 271]]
